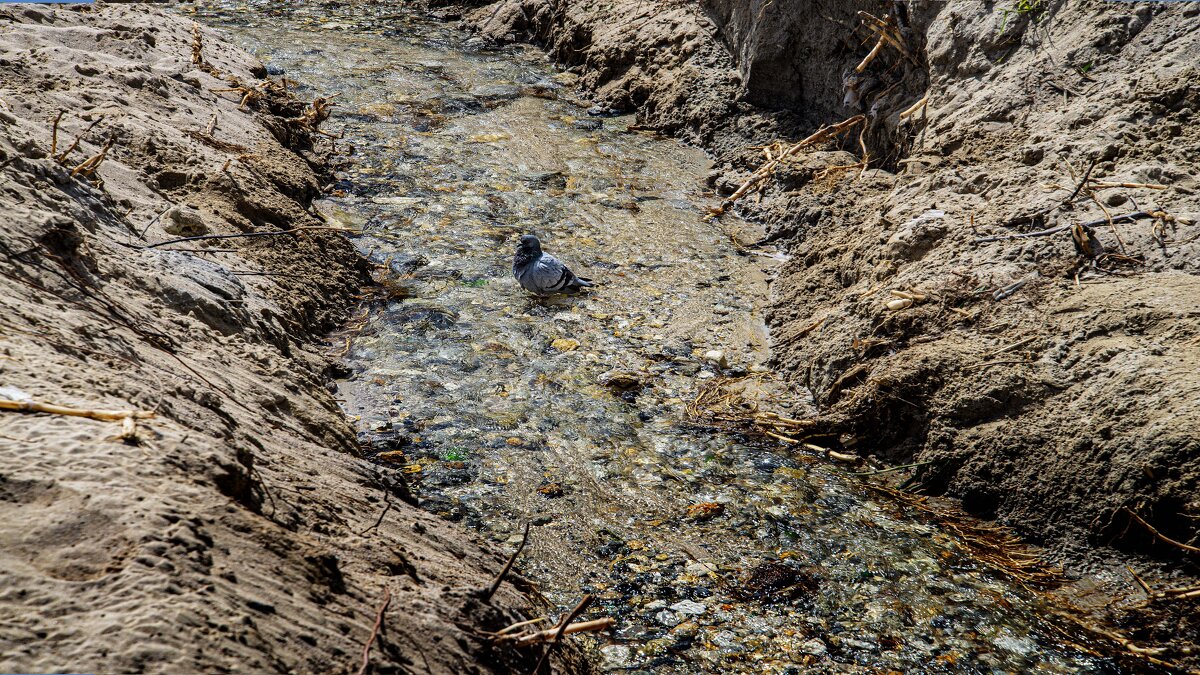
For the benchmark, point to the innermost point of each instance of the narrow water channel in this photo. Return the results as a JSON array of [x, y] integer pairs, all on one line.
[[714, 553]]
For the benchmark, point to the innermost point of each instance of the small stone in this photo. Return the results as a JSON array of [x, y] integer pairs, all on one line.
[[717, 358], [588, 124], [654, 605], [689, 607], [514, 441], [620, 380], [564, 344], [814, 647], [726, 640], [615, 657], [705, 510], [551, 490], [668, 618]]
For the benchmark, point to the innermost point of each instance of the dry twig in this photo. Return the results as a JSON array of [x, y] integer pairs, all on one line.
[[366, 654], [54, 132], [89, 165], [62, 157], [559, 630], [495, 585], [1158, 535], [91, 413], [823, 134], [580, 627]]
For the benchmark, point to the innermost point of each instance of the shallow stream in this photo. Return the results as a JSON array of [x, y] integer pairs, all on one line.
[[714, 552]]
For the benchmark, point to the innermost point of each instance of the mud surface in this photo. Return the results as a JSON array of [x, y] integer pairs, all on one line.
[[236, 530], [1049, 386]]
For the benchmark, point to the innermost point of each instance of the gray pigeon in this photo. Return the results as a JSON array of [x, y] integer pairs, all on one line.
[[541, 273]]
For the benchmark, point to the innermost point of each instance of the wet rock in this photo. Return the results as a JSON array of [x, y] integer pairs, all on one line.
[[615, 657], [551, 490], [621, 380], [564, 344], [588, 125], [814, 647], [496, 92], [689, 607], [603, 111], [668, 618], [705, 511], [775, 581]]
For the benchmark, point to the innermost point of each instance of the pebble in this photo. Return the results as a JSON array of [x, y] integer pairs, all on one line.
[[668, 618], [689, 607], [615, 657], [717, 358], [814, 646], [588, 125], [726, 640]]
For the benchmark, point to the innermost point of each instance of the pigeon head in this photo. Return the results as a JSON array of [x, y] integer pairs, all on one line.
[[529, 245]]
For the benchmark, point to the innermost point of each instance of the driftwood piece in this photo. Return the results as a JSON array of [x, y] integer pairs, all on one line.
[[91, 413]]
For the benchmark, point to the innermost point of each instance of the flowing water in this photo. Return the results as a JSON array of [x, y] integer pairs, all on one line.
[[715, 553]]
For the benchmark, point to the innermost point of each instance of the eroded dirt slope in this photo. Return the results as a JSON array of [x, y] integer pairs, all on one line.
[[237, 530]]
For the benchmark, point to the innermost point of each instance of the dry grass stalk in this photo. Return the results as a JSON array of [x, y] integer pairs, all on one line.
[[62, 157], [871, 56], [916, 107], [54, 132], [89, 165]]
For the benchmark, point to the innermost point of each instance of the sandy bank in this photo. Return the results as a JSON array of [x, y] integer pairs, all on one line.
[[236, 530]]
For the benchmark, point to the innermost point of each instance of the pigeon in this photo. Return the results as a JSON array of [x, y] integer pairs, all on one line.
[[541, 273]]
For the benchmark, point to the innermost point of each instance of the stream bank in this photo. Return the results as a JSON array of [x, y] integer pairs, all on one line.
[[237, 530], [1051, 390]]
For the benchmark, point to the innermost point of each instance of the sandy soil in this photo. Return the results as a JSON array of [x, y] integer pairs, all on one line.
[[1052, 408], [236, 530]]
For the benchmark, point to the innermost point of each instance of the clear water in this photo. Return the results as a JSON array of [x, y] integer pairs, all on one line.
[[498, 406]]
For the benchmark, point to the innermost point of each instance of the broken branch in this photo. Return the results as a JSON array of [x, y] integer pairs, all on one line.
[[62, 157], [581, 627], [50, 408], [871, 56], [54, 132], [560, 630], [912, 110]]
